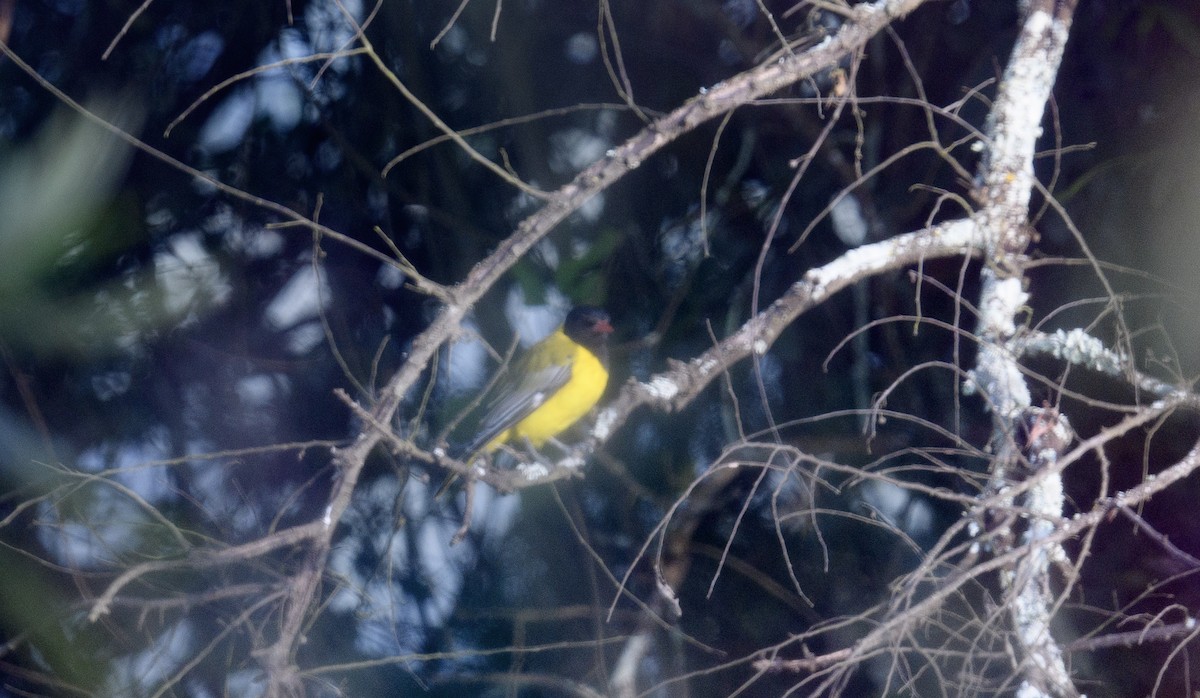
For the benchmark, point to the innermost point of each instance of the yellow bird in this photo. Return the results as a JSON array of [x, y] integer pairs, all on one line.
[[552, 386]]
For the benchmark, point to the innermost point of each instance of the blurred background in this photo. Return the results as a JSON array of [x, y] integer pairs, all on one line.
[[170, 350]]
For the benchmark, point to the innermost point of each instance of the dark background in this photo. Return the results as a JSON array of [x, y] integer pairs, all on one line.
[[153, 326]]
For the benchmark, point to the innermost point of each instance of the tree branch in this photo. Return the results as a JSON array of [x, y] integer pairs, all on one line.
[[867, 20], [1007, 186]]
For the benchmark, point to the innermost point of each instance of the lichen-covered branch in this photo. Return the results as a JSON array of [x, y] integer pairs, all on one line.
[[1007, 181]]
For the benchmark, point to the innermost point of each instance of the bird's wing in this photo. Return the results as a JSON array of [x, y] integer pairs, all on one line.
[[529, 384]]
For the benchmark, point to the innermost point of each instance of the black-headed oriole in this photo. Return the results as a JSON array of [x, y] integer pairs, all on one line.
[[554, 384]]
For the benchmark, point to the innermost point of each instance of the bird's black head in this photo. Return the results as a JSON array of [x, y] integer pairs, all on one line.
[[588, 325]]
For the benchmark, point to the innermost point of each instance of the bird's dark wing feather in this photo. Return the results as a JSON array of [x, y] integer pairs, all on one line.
[[516, 396]]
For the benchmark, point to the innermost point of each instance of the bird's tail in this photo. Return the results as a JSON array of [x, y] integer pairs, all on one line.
[[465, 451]]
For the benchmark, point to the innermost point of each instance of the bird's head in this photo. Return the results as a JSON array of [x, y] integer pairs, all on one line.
[[588, 325]]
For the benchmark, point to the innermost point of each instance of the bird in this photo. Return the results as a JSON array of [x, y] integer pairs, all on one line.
[[550, 387]]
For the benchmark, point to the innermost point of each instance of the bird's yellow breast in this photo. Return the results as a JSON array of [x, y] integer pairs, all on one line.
[[569, 403]]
